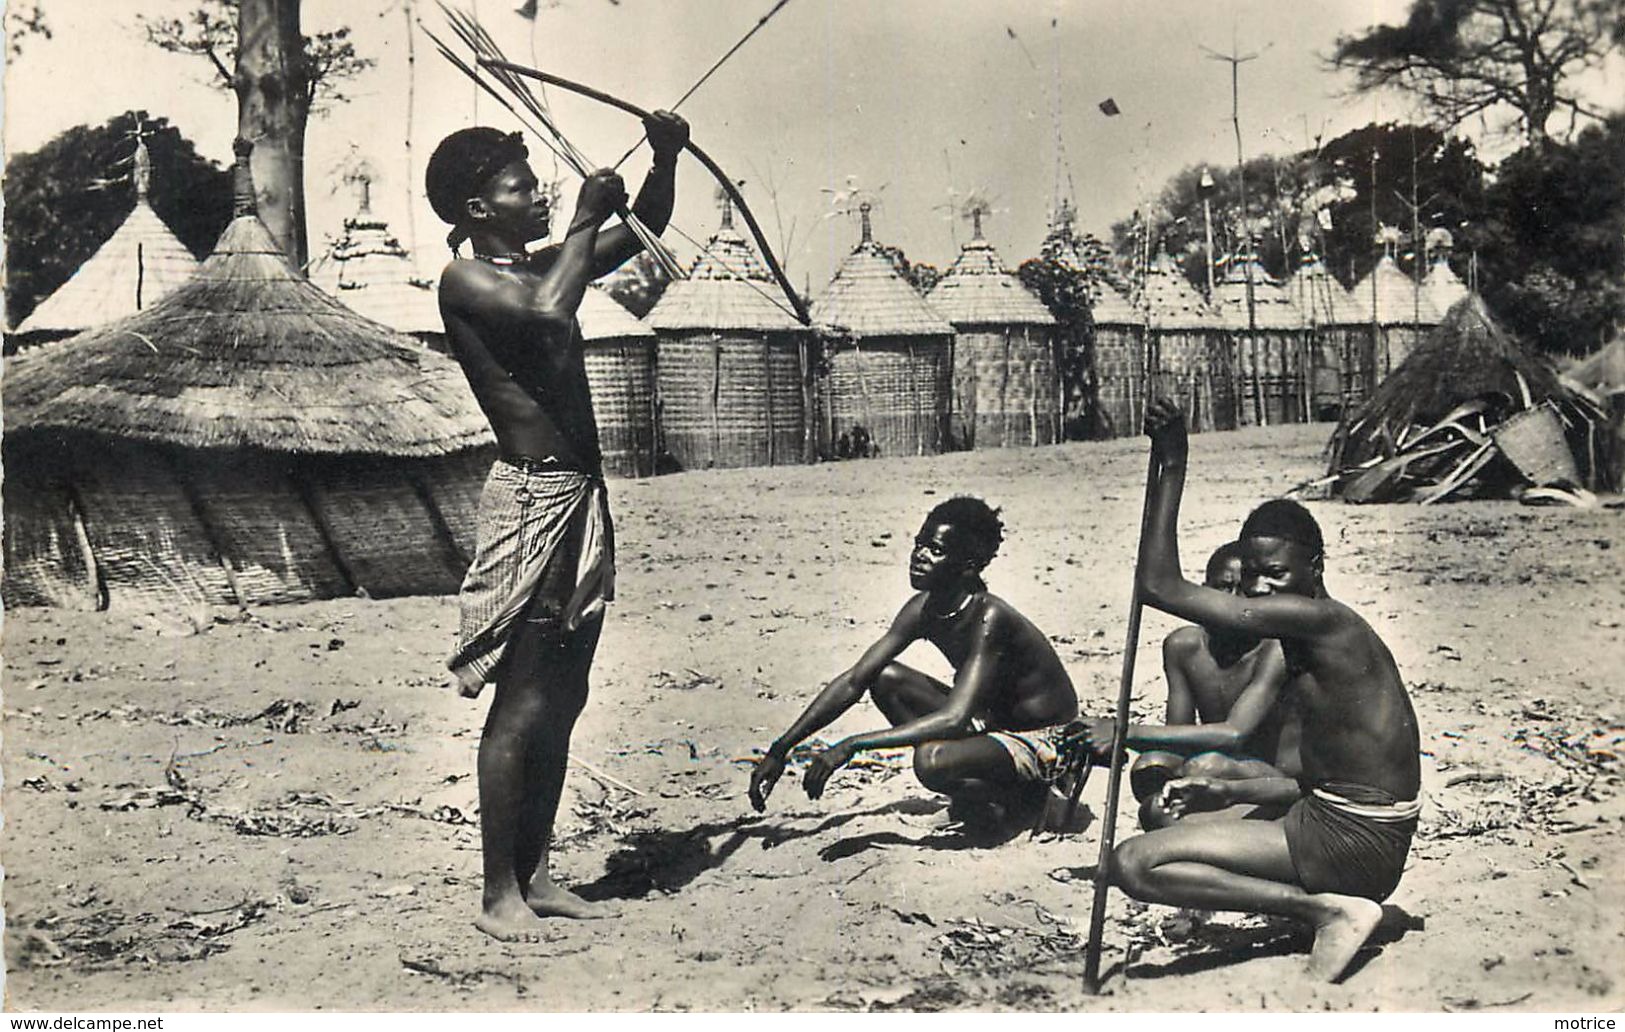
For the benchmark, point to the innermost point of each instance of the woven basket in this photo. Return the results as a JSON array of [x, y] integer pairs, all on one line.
[[1533, 441]]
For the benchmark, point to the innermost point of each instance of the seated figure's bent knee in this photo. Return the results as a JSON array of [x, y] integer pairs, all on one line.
[[931, 766], [888, 682], [1151, 771], [1129, 864], [1208, 765]]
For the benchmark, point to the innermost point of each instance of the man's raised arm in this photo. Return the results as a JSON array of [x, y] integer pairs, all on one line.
[[667, 133]]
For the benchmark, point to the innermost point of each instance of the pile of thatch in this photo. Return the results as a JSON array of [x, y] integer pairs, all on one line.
[[1469, 411]]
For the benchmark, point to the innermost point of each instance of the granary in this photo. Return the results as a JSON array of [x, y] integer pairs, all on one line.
[[733, 368], [140, 263], [1269, 343], [1470, 410], [1006, 387], [374, 275], [1186, 347], [620, 360], [1339, 351], [245, 440], [1398, 308], [889, 376], [1118, 359]]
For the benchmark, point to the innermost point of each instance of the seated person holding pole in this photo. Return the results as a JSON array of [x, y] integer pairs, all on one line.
[[1342, 845]]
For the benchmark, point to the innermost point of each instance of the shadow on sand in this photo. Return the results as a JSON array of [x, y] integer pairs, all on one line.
[[668, 860], [1219, 945]]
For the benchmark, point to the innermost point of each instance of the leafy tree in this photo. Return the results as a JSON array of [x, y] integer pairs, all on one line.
[[922, 276], [280, 77], [639, 284], [1551, 245], [64, 200], [1462, 58], [1065, 291], [1330, 200]]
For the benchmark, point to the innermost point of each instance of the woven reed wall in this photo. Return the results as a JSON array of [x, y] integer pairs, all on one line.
[[728, 400], [621, 377], [1341, 362], [1119, 379], [897, 388], [384, 536], [48, 559], [1397, 343], [453, 484], [1006, 388], [268, 536], [1278, 360], [152, 551]]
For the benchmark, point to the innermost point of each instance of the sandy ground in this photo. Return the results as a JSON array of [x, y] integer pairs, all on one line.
[[278, 812]]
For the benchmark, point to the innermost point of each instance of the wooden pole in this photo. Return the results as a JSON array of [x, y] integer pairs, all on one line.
[[1125, 689]]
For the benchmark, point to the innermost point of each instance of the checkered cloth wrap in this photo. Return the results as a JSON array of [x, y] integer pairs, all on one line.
[[527, 517]]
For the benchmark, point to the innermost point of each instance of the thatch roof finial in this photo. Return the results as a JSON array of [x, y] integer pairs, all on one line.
[[976, 223], [727, 212], [868, 229], [242, 183], [143, 168]]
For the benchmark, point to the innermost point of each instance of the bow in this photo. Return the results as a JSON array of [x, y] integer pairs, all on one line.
[[703, 158]]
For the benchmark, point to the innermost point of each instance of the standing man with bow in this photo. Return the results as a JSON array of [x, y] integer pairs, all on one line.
[[531, 606]]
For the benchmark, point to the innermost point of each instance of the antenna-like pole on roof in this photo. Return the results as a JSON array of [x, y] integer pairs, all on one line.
[[243, 201], [976, 223], [868, 230], [1236, 61]]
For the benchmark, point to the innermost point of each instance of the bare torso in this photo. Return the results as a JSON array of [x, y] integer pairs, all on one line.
[[1356, 718], [531, 382], [1031, 686], [1217, 679]]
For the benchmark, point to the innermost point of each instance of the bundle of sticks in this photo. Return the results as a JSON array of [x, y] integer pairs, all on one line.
[[531, 111]]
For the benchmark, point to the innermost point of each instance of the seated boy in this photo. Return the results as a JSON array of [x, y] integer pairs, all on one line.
[[1232, 684], [1342, 845], [990, 742]]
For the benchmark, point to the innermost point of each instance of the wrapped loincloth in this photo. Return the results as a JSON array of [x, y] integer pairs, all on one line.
[[544, 553], [1350, 839], [1036, 754]]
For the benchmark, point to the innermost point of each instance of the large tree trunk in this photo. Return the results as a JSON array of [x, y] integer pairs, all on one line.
[[273, 103]]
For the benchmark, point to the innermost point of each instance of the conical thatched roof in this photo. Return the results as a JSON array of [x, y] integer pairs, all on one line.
[[1442, 286], [373, 274], [869, 298], [248, 354], [1321, 300], [140, 263], [604, 318], [1399, 300], [1603, 370], [1467, 356], [728, 289], [1109, 308], [978, 290], [1272, 304], [1171, 303]]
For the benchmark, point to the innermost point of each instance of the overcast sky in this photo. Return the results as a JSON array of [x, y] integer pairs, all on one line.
[[915, 100]]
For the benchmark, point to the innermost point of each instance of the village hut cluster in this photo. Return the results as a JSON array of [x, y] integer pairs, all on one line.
[[231, 432]]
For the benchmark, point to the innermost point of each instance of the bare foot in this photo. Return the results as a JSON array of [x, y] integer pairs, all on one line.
[[510, 921], [549, 900], [1348, 923]]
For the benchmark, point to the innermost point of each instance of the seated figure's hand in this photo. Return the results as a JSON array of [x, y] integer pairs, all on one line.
[[1188, 795], [1165, 425], [763, 777], [822, 766]]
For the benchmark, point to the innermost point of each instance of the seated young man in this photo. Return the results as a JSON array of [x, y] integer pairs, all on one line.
[[1229, 682], [990, 741], [1342, 845]]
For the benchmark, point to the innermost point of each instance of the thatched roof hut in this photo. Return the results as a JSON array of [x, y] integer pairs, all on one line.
[[246, 439], [1186, 344], [892, 378], [1270, 343], [374, 275], [1467, 358], [620, 360], [140, 263], [1006, 385], [1340, 355], [1603, 371], [733, 367], [1397, 305], [1442, 286]]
